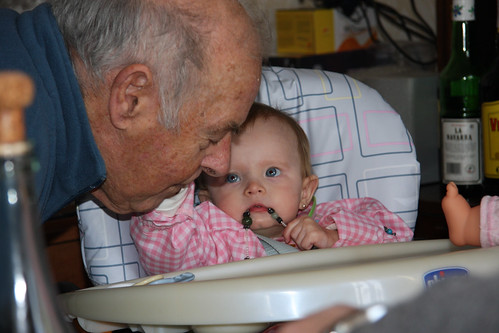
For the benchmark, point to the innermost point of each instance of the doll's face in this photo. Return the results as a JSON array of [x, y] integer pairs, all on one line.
[[265, 171]]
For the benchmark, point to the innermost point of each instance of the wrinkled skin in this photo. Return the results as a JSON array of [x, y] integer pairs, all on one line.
[[147, 163]]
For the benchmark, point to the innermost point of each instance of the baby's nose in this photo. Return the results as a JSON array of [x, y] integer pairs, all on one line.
[[254, 188]]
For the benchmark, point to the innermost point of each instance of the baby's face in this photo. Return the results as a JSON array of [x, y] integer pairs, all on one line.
[[265, 171]]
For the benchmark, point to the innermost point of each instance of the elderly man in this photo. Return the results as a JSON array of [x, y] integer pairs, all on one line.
[[134, 99]]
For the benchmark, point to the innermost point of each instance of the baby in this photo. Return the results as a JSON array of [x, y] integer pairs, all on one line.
[[268, 191]]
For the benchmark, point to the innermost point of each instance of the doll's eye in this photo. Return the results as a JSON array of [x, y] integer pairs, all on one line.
[[272, 172], [232, 178]]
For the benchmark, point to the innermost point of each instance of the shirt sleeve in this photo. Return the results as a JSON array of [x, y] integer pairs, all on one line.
[[489, 221], [362, 221], [206, 236]]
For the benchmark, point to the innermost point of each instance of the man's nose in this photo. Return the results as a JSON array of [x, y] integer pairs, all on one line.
[[217, 159]]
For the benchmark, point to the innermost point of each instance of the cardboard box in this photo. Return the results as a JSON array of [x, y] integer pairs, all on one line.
[[319, 31]]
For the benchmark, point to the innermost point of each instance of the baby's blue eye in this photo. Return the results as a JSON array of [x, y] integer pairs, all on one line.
[[272, 172], [232, 178]]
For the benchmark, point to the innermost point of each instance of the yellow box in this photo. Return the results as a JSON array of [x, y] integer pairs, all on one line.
[[318, 31]]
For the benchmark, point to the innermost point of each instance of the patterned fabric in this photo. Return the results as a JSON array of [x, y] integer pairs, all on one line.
[[111, 257], [362, 221], [489, 221], [194, 237], [204, 235]]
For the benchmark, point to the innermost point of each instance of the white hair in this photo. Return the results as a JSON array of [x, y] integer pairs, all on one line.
[[108, 34]]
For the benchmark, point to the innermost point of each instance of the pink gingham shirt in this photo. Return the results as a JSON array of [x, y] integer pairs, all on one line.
[[204, 235], [489, 221]]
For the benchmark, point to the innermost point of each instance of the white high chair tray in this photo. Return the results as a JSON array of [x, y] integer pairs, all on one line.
[[246, 296]]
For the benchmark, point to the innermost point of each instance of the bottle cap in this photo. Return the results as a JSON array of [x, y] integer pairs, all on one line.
[[16, 93], [463, 10]]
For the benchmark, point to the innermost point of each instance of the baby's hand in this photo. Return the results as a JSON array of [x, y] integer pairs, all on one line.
[[306, 233]]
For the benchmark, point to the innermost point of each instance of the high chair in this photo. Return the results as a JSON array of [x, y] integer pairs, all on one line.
[[360, 147]]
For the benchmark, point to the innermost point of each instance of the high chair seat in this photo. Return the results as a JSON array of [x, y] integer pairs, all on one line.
[[359, 146], [245, 296]]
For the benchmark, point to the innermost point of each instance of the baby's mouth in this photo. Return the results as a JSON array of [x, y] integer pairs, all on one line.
[[257, 208]]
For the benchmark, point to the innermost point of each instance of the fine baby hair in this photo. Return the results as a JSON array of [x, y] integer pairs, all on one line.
[[259, 110], [264, 112]]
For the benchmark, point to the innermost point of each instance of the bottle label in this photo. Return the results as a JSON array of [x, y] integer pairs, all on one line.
[[463, 10], [461, 151], [490, 121]]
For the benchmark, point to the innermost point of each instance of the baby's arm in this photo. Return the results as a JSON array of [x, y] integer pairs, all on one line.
[[462, 219], [363, 221], [306, 233]]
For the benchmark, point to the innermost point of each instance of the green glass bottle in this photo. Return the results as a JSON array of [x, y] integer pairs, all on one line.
[[460, 109], [490, 122]]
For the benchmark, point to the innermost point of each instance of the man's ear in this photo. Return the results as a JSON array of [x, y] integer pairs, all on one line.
[[131, 90], [309, 186]]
